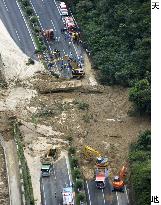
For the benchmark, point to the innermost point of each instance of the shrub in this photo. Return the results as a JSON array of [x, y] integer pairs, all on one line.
[[72, 150], [81, 197], [74, 162], [30, 62], [29, 10], [25, 3], [37, 29], [82, 105], [76, 173], [79, 184], [34, 19]]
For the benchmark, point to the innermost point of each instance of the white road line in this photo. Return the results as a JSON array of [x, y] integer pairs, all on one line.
[[117, 198], [54, 173], [53, 25], [88, 194], [57, 7], [5, 5], [103, 197], [127, 195], [36, 14], [44, 195], [68, 168], [26, 24], [18, 35]]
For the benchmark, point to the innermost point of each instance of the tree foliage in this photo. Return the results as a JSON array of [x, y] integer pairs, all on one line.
[[118, 35], [140, 166]]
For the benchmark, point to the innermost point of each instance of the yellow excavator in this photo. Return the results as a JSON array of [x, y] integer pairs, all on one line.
[[89, 153]]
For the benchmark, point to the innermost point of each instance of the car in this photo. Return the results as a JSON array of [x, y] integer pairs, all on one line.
[[63, 5], [63, 12]]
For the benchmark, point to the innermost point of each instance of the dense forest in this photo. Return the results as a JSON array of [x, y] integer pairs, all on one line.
[[118, 35], [140, 166]]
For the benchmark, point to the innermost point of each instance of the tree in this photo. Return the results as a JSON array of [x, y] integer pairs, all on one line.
[[140, 95]]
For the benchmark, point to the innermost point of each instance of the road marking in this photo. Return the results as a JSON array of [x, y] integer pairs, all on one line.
[[53, 25], [54, 173], [88, 194], [26, 24], [18, 35], [36, 13], [44, 195], [5, 5], [103, 196], [117, 198], [68, 168], [126, 195], [57, 7]]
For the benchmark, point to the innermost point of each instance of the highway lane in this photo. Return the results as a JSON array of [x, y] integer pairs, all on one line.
[[98, 196], [16, 26], [48, 14], [52, 187]]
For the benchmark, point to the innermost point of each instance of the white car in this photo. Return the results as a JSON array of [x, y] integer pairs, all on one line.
[[63, 12], [63, 5]]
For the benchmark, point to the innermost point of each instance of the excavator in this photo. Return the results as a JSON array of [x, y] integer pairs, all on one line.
[[48, 34], [89, 153], [118, 182]]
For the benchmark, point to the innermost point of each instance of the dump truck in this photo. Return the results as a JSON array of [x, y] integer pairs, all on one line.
[[90, 153], [118, 181], [47, 162], [68, 196], [48, 34], [46, 169], [100, 178]]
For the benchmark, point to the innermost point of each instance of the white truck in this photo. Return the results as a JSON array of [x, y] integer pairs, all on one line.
[[68, 196]]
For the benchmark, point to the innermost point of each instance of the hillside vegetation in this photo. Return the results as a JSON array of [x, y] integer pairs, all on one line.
[[140, 166], [118, 35]]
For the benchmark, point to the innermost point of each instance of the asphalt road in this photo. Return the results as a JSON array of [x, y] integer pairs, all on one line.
[[98, 196], [16, 26], [52, 187], [49, 18], [105, 196]]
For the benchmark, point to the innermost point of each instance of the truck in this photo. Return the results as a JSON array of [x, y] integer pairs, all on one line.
[[46, 169], [68, 196], [101, 176]]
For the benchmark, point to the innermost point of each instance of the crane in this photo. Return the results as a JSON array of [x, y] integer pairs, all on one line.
[[89, 153]]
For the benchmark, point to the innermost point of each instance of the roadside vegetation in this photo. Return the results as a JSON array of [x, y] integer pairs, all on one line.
[[140, 167], [117, 33], [25, 175], [77, 176], [34, 24]]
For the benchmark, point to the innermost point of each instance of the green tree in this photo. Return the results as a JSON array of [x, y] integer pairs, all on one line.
[[140, 95]]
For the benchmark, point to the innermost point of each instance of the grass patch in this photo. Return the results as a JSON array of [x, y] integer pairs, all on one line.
[[81, 105]]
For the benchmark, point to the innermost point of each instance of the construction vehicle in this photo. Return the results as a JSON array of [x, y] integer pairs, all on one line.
[[48, 34], [68, 196], [77, 70], [47, 162], [101, 176], [46, 169], [89, 153], [118, 182], [75, 36]]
